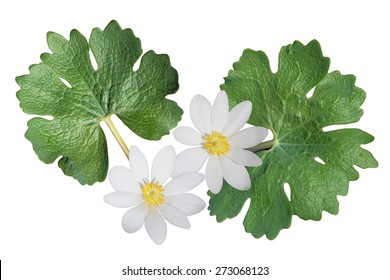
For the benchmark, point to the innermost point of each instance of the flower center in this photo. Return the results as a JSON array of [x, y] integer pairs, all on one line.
[[153, 193], [215, 143]]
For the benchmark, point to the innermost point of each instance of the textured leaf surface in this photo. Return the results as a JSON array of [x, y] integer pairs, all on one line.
[[297, 122], [136, 97]]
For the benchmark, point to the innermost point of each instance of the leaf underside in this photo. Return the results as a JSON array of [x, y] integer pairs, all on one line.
[[280, 104], [74, 132]]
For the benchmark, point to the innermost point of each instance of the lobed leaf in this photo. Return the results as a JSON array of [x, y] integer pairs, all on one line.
[[280, 104], [66, 87]]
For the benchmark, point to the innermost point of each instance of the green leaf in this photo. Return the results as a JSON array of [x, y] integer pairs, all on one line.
[[136, 97], [280, 104]]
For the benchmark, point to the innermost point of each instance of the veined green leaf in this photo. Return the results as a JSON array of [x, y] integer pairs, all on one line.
[[136, 97], [280, 104]]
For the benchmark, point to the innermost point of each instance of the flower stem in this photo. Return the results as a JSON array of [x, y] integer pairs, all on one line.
[[118, 137], [262, 146]]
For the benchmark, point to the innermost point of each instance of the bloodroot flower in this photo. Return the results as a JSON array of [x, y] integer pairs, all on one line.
[[154, 201], [220, 141]]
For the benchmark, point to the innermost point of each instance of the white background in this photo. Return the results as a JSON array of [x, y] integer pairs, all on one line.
[[53, 228]]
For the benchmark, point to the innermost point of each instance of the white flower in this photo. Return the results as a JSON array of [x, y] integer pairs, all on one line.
[[152, 199], [220, 141]]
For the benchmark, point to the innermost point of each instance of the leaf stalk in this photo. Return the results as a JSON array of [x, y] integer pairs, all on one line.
[[262, 146], [118, 137]]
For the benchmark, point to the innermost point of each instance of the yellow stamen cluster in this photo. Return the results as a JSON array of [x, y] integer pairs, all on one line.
[[153, 193], [215, 143]]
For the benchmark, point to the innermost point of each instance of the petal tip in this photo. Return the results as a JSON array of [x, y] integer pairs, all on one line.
[[157, 240], [213, 192], [243, 187], [221, 94], [248, 104], [133, 147], [105, 199], [170, 148]]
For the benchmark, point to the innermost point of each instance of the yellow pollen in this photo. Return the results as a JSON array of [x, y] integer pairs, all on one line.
[[153, 193], [215, 143]]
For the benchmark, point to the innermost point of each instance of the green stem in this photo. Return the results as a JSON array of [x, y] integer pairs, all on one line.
[[262, 146], [118, 137]]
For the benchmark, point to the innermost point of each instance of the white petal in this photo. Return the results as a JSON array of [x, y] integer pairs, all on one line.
[[183, 183], [200, 111], [190, 161], [248, 137], [188, 203], [220, 111], [187, 136], [244, 157], [237, 118], [122, 180], [122, 199], [163, 164], [134, 218], [214, 174], [174, 216], [235, 174], [139, 165], [156, 226]]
